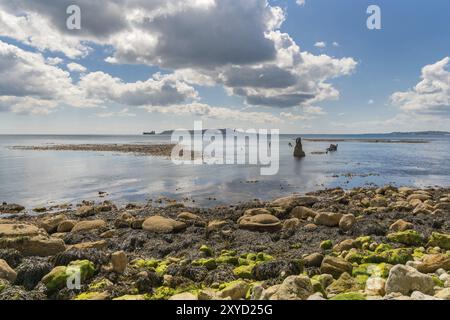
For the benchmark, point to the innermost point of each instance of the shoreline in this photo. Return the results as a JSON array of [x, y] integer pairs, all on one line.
[[331, 244], [163, 150]]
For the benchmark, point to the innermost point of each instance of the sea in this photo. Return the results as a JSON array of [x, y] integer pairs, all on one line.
[[45, 178]]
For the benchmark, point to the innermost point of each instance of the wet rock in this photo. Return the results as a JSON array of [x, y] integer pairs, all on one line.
[[347, 222], [288, 203], [160, 224], [335, 266], [66, 226], [86, 211], [275, 269], [6, 272], [30, 272], [261, 222], [190, 218], [298, 150], [256, 211], [89, 225], [405, 280], [11, 208], [328, 219], [50, 224], [294, 288], [29, 240]]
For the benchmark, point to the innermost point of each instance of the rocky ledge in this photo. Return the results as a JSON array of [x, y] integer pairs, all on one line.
[[387, 243]]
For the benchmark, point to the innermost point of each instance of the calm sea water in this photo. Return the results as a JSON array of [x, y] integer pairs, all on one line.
[[35, 178]]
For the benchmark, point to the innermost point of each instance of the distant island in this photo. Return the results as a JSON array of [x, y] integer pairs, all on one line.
[[422, 133]]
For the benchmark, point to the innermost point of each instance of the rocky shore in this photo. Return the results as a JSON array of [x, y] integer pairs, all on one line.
[[363, 244], [163, 150]]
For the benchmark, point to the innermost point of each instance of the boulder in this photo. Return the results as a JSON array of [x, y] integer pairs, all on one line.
[[89, 225], [160, 224], [347, 222], [406, 280], [294, 288], [19, 230], [86, 211], [235, 291], [260, 222], [345, 283], [66, 226], [440, 240], [401, 225], [50, 224], [6, 272], [346, 245], [335, 266], [431, 263], [29, 240], [375, 286], [291, 224], [408, 237], [300, 212], [328, 219], [313, 260], [443, 294]]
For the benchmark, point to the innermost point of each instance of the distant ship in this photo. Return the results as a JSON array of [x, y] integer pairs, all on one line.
[[149, 133]]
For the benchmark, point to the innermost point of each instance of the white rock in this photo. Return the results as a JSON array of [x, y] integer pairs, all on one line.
[[294, 288], [405, 280], [316, 296], [417, 295], [375, 286], [443, 294]]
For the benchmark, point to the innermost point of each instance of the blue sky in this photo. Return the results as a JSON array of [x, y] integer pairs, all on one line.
[[221, 61]]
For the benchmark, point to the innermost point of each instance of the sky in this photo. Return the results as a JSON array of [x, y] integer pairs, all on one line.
[[301, 66]]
